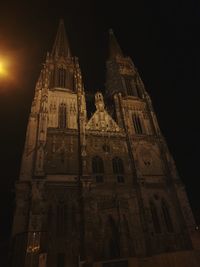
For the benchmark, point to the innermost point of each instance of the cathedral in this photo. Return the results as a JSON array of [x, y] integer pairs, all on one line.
[[99, 190]]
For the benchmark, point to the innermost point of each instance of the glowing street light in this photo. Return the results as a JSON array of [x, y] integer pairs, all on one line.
[[3, 68]]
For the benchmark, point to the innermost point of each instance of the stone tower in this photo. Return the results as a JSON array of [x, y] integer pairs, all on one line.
[[102, 191]]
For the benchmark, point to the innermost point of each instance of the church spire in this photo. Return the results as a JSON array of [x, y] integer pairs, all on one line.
[[114, 48], [61, 44]]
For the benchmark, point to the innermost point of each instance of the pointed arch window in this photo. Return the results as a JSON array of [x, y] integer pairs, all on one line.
[[138, 87], [118, 169], [137, 124], [98, 168], [167, 217], [61, 78], [69, 80], [129, 85], [155, 218], [62, 119]]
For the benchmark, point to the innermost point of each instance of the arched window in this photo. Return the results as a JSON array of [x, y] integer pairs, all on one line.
[[137, 124], [155, 219], [118, 169], [61, 78], [69, 80], [62, 117], [129, 85], [138, 87], [98, 168], [167, 217]]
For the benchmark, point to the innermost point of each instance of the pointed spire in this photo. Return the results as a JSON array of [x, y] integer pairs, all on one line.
[[61, 44], [114, 48]]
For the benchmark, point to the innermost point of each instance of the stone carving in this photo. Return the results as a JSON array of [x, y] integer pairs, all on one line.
[[101, 120]]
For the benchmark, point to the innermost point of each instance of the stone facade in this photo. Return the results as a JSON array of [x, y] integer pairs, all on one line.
[[99, 189]]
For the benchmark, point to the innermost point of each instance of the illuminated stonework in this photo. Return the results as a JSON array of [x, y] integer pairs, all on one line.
[[102, 191]]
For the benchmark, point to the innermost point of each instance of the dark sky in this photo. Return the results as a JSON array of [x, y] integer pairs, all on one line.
[[158, 35]]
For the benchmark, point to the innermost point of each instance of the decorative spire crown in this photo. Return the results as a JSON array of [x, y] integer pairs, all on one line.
[[61, 45]]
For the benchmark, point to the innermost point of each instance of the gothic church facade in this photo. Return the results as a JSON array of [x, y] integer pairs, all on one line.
[[99, 191]]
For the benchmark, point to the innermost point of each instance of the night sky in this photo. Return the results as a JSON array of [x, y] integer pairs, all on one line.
[[158, 35]]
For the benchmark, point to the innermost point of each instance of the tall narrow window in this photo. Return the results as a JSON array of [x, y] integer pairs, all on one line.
[[129, 87], [137, 124], [118, 169], [61, 78], [98, 169], [138, 87], [154, 215], [62, 119], [69, 80], [167, 217], [52, 78]]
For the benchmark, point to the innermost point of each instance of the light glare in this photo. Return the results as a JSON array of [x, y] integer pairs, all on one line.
[[3, 68]]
